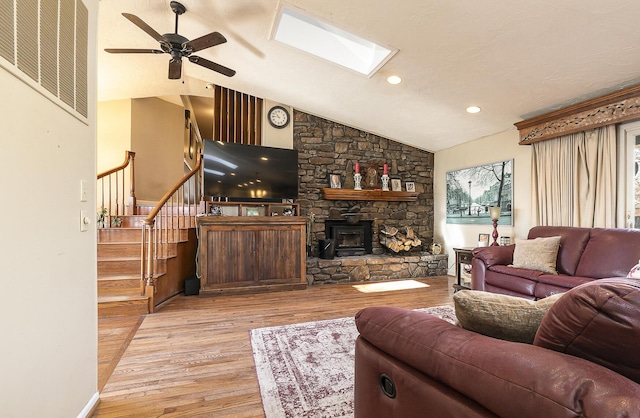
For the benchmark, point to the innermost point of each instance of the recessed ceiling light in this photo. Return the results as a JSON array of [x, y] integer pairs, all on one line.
[[473, 109], [394, 79], [320, 38]]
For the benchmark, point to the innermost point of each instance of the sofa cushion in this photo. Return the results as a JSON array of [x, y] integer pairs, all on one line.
[[573, 242], [548, 286], [562, 280], [598, 321], [500, 316], [610, 253], [537, 254], [509, 285], [518, 272]]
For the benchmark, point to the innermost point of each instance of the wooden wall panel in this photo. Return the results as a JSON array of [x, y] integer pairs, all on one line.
[[237, 117]]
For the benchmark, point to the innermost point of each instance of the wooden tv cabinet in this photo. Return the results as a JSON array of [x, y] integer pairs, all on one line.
[[241, 254]]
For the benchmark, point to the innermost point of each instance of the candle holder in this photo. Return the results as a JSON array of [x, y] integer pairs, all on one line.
[[385, 182], [357, 179], [494, 213]]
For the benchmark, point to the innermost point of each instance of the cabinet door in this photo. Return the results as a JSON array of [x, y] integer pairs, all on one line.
[[280, 253], [231, 256]]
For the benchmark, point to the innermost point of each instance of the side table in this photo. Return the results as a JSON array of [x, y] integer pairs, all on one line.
[[463, 256]]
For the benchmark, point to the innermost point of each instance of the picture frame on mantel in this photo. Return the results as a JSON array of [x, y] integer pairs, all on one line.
[[335, 181], [396, 185], [411, 186]]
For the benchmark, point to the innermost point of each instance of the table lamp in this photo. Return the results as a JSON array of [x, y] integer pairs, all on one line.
[[494, 213]]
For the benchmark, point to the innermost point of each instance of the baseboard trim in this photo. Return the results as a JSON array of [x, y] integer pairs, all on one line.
[[88, 410]]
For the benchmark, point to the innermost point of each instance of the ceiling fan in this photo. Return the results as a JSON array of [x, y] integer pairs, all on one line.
[[178, 46]]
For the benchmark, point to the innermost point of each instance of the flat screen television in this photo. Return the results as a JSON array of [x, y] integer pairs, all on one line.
[[239, 172]]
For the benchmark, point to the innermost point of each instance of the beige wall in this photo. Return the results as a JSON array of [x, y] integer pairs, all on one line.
[[157, 138], [498, 147], [272, 137], [152, 128], [48, 314], [114, 133]]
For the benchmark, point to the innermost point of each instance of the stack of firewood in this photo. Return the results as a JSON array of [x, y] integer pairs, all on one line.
[[399, 240]]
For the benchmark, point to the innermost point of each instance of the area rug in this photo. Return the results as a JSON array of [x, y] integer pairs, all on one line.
[[306, 370]]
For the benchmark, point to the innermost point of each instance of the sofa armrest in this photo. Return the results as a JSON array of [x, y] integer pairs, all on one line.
[[478, 272], [491, 256], [485, 257], [509, 379]]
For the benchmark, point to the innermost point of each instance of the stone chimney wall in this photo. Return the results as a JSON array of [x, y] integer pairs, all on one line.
[[326, 147]]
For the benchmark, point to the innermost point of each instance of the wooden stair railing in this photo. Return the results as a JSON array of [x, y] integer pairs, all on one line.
[[177, 209], [111, 189]]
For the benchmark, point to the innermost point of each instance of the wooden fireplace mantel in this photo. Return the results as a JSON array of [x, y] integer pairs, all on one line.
[[350, 194]]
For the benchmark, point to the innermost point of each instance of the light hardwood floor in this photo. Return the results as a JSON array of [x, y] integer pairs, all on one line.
[[192, 358]]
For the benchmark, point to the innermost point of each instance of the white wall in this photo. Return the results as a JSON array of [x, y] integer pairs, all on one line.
[[48, 314], [498, 147]]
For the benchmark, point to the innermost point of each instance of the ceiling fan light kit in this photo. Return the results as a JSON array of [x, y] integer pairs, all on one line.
[[177, 45]]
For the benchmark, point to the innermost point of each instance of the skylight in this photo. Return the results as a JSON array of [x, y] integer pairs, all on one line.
[[328, 42]]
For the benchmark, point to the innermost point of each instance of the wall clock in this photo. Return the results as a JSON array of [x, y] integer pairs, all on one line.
[[278, 117]]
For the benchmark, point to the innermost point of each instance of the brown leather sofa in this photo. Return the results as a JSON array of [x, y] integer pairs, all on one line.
[[585, 254], [583, 363]]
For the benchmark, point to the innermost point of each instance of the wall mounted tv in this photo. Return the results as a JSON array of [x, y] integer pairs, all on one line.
[[239, 172]]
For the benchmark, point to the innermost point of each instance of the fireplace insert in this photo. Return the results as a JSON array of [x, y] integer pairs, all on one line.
[[350, 238]]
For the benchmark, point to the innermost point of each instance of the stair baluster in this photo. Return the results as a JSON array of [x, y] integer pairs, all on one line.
[[113, 199], [162, 226]]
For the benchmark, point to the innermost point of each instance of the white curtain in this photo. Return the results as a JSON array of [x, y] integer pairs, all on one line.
[[574, 179]]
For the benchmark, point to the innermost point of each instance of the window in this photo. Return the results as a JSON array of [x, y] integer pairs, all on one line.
[[629, 175]]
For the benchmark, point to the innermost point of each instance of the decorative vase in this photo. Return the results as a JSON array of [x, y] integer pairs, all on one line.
[[436, 248]]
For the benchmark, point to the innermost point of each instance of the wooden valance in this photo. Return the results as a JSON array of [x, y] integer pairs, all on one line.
[[620, 106]]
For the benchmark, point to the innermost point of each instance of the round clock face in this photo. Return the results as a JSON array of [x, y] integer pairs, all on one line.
[[278, 117]]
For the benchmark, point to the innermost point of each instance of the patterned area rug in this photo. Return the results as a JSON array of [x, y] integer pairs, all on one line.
[[306, 370]]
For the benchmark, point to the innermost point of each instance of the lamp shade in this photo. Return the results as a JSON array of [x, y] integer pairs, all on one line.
[[494, 213]]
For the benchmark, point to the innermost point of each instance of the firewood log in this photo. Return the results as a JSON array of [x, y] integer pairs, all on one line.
[[390, 231]]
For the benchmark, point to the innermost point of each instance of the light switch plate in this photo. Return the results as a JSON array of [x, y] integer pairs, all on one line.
[[83, 190]]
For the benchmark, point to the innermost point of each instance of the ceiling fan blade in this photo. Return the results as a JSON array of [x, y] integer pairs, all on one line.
[[206, 41], [212, 66], [133, 51], [142, 25], [175, 69]]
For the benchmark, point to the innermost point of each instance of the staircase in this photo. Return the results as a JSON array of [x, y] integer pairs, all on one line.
[[119, 260], [120, 286], [143, 262]]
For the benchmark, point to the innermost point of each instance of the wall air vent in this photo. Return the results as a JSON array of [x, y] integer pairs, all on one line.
[[44, 43]]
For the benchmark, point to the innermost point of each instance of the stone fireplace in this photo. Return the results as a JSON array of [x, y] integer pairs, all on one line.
[[351, 238], [329, 148]]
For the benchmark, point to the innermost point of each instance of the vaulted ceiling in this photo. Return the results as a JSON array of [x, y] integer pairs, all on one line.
[[513, 59]]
